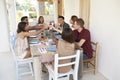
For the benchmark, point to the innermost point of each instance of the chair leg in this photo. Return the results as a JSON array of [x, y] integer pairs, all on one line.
[[75, 77], [31, 69], [55, 78], [50, 78], [87, 64], [17, 76], [95, 66], [68, 77]]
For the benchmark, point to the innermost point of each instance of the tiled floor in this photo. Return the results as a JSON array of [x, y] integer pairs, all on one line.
[[8, 66], [86, 76]]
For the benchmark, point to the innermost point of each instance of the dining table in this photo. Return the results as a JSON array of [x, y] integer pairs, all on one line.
[[37, 64]]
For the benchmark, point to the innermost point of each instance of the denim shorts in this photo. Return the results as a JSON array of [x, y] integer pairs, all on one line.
[[85, 56]]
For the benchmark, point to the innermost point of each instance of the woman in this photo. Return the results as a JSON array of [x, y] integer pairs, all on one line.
[[72, 21], [41, 21], [22, 49], [66, 47]]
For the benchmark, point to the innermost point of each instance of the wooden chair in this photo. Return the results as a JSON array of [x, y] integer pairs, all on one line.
[[92, 61]]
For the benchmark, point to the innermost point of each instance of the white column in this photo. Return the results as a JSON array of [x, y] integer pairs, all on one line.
[[85, 11], [4, 38], [55, 4], [12, 15]]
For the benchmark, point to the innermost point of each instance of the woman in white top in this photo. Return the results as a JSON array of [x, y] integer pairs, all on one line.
[[22, 49]]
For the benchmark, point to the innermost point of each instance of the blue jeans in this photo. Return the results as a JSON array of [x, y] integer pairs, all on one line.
[[85, 56]]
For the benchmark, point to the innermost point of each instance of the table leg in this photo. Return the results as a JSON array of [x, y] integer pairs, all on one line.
[[80, 70], [37, 68]]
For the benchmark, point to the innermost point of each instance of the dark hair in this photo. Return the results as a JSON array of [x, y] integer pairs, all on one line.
[[61, 17], [67, 35], [23, 18], [80, 22], [21, 27], [39, 22], [74, 18]]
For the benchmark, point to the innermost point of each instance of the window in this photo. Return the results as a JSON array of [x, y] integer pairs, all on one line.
[[26, 8], [46, 8]]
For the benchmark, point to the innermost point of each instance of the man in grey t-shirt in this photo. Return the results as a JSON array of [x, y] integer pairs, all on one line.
[[62, 23]]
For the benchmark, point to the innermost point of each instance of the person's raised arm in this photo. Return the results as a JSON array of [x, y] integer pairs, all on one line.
[[60, 31], [35, 33], [35, 27]]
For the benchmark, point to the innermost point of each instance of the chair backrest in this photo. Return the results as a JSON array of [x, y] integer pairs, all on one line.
[[12, 44], [75, 62], [95, 49]]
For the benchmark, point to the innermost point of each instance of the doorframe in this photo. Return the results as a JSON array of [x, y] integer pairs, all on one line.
[[85, 12]]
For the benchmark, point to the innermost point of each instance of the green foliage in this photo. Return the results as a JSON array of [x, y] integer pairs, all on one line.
[[17, 4], [25, 7]]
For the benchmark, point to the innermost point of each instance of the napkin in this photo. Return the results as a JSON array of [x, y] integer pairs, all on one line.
[[34, 42], [51, 48]]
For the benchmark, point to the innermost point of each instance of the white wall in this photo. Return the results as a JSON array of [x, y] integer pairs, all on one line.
[[4, 40], [7, 67], [12, 12], [71, 7], [105, 28]]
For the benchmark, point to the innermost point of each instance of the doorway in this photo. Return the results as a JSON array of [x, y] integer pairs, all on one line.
[[60, 7]]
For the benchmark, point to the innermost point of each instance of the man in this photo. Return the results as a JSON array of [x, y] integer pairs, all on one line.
[[24, 19], [62, 23], [83, 38]]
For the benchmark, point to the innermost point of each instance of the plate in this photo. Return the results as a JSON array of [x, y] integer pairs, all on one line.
[[34, 42]]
